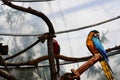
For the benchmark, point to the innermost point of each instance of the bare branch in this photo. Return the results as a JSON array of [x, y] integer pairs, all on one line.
[[7, 75]]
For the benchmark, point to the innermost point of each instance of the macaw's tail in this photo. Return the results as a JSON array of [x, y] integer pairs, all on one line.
[[107, 70], [58, 67]]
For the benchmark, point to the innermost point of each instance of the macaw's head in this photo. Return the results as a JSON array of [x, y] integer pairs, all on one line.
[[94, 33], [55, 41]]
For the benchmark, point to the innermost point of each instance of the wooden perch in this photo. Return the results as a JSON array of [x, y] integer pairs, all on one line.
[[82, 68], [51, 32], [7, 75], [3, 62], [50, 56], [86, 65], [69, 76], [39, 59], [73, 59], [42, 38], [62, 57], [76, 73]]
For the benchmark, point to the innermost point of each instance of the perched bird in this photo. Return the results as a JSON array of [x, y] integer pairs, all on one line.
[[95, 47], [56, 50]]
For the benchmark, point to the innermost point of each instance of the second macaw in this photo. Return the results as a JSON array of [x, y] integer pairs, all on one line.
[[56, 50], [95, 46]]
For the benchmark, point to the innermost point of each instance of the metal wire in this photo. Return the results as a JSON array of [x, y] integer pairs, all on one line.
[[29, 0], [65, 31]]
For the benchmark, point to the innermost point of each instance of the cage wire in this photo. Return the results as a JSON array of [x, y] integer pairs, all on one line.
[[28, 0]]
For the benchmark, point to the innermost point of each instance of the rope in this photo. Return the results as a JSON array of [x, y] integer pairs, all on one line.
[[65, 31]]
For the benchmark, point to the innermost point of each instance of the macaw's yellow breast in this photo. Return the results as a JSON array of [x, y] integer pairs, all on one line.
[[91, 46]]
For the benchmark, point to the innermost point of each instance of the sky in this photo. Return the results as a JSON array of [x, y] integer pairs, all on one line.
[[70, 14]]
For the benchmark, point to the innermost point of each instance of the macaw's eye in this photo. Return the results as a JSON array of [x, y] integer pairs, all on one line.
[[97, 35]]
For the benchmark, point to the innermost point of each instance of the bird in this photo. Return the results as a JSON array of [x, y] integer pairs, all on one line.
[[95, 46], [56, 50]]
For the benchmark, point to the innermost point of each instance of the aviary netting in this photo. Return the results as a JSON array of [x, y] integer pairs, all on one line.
[[75, 74]]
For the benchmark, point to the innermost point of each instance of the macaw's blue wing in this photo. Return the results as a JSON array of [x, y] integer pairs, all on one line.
[[100, 47]]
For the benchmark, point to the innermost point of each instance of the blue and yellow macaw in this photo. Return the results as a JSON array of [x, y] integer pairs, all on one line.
[[95, 47]]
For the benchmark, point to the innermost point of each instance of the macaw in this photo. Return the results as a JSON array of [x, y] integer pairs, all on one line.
[[56, 50], [95, 47]]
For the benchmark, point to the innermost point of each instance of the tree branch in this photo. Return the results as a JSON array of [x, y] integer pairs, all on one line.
[[51, 32], [7, 75], [62, 57], [76, 73]]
